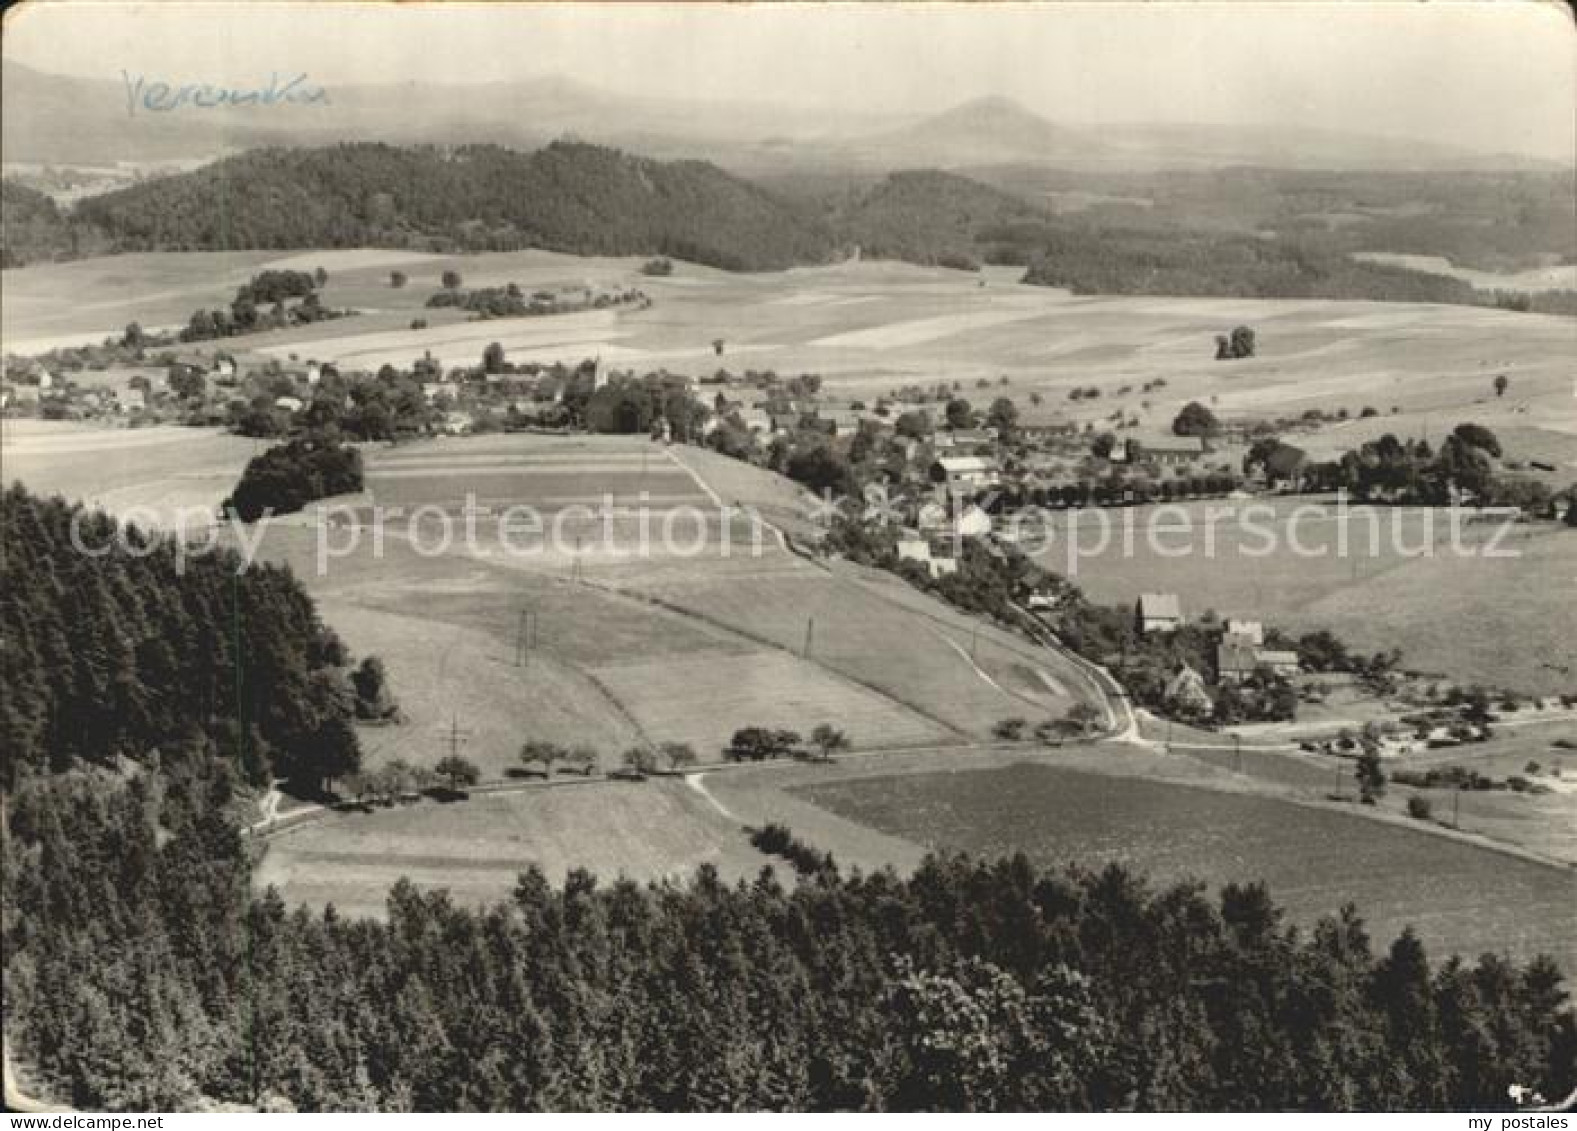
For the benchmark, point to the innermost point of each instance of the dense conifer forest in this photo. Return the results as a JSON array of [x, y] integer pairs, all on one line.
[[143, 972], [120, 649]]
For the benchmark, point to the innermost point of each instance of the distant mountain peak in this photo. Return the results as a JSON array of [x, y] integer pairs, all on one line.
[[989, 129]]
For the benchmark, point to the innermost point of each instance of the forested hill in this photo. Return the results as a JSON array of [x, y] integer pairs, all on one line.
[[929, 217], [571, 197], [32, 224], [117, 649]]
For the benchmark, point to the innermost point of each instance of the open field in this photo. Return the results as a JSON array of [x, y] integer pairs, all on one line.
[[1460, 898], [1558, 278], [629, 640], [645, 831], [147, 473], [868, 327], [1474, 616]]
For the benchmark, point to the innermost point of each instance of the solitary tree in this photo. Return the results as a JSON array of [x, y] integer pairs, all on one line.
[[538, 752], [678, 754], [960, 414], [828, 740], [1195, 420], [133, 337], [451, 280], [1009, 730], [639, 761], [1500, 385], [459, 772], [582, 758], [321, 276], [397, 279], [1371, 776], [493, 358], [1083, 717], [717, 346], [1002, 415], [1243, 342]]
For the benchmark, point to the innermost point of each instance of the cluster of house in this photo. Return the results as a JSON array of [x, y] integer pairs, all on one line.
[[109, 389], [1240, 652]]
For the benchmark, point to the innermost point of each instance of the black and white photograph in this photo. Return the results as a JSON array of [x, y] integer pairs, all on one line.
[[595, 557]]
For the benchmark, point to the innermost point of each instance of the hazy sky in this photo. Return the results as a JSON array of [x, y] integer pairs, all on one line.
[[1488, 74]]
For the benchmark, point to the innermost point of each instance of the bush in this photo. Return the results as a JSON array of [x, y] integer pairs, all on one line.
[[1420, 808], [1009, 730]]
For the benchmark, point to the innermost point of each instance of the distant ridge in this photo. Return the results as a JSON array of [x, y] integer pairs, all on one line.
[[568, 196]]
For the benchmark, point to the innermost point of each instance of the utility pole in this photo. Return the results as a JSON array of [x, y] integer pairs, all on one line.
[[810, 635], [1456, 807], [456, 737], [974, 641], [525, 637], [1237, 753], [1338, 778]]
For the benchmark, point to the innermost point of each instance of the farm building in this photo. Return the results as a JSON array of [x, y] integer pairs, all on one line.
[[1284, 465], [1279, 661], [937, 558], [1171, 451], [972, 437], [1158, 612], [1238, 658], [1251, 630], [756, 419], [1042, 430], [839, 421], [1186, 693], [964, 472]]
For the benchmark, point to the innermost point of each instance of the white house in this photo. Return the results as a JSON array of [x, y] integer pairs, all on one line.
[[1251, 630], [289, 404], [1158, 612], [964, 472], [938, 561]]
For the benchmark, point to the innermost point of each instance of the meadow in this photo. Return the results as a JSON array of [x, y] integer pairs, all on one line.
[[152, 474], [1460, 898], [476, 848]]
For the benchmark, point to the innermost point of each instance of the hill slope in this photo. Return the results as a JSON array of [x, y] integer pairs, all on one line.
[[569, 197], [929, 217]]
